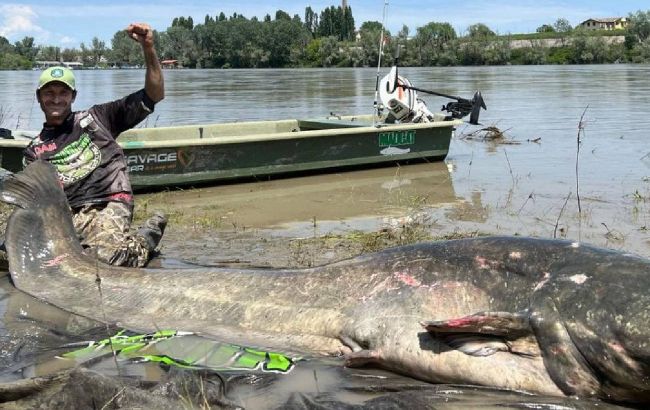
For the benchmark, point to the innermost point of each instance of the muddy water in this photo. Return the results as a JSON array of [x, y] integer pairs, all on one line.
[[537, 183], [541, 183], [531, 188]]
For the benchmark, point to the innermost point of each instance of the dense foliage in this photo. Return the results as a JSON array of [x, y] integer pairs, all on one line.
[[329, 38]]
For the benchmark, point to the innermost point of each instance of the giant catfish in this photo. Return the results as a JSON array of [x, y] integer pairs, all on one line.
[[544, 316]]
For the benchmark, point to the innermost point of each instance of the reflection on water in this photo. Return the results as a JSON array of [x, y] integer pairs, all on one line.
[[365, 196]]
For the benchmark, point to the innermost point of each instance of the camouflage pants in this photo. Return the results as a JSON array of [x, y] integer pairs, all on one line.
[[103, 230]]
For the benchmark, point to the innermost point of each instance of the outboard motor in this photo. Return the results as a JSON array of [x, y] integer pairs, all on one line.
[[401, 99]]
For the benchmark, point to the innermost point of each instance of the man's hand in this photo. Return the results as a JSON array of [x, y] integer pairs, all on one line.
[[153, 80], [142, 33]]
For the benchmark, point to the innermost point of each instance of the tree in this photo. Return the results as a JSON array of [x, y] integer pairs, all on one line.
[[211, 44], [370, 33], [498, 52], [125, 51], [637, 37], [403, 34], [545, 28], [49, 53], [643, 50], [562, 25], [347, 28], [285, 36], [564, 29], [533, 55], [431, 40], [5, 46], [639, 25], [588, 49], [14, 61], [403, 42], [178, 43], [371, 26], [26, 48], [84, 53], [97, 51], [483, 47], [282, 15], [10, 59], [479, 30], [311, 20], [70, 54], [187, 23], [329, 51], [334, 21]]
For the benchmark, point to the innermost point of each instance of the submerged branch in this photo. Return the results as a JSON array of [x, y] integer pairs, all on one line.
[[581, 130]]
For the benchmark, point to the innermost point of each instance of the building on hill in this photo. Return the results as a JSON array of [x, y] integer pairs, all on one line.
[[609, 23]]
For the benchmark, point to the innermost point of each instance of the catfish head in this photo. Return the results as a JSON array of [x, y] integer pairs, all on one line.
[[592, 322]]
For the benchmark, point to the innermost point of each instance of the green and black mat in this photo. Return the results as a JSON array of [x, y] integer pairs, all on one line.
[[181, 349]]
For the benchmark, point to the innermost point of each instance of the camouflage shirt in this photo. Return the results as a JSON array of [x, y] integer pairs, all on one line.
[[89, 162]]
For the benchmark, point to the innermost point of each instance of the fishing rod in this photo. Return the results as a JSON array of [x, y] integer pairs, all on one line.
[[381, 51]]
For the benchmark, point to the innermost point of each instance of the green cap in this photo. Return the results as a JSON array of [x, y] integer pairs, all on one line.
[[61, 74]]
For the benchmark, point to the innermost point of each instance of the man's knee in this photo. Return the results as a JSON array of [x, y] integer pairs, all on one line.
[[105, 233]]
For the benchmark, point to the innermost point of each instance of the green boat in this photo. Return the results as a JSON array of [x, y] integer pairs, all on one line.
[[201, 154]]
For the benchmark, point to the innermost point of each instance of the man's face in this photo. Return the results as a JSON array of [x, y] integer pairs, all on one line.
[[56, 102]]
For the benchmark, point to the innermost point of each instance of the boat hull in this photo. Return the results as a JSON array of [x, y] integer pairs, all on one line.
[[201, 154]]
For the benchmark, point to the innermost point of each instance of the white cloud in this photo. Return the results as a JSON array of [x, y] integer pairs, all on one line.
[[19, 21]]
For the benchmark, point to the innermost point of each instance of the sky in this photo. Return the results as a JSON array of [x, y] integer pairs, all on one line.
[[69, 23]]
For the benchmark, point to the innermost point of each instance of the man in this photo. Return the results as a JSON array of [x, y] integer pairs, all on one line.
[[90, 163]]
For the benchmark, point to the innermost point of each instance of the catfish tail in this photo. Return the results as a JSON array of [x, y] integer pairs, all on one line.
[[40, 234]]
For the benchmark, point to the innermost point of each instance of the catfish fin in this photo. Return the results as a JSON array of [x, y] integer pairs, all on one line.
[[363, 358], [506, 324], [486, 333]]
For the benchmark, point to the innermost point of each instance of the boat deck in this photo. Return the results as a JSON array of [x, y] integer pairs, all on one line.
[[256, 131]]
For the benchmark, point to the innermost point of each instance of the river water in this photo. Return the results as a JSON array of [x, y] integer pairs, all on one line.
[[503, 188], [537, 184]]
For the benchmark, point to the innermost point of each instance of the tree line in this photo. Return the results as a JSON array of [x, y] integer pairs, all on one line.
[[329, 38]]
